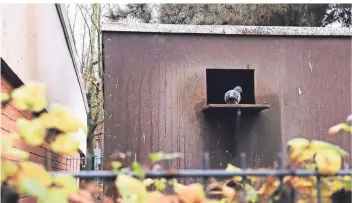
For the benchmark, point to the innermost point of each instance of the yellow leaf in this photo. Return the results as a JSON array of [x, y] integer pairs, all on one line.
[[30, 170], [269, 186], [318, 145], [60, 118], [230, 167], [328, 161], [54, 195], [5, 97], [337, 128], [131, 188], [68, 183], [8, 151], [148, 182], [33, 132], [160, 184], [8, 169], [298, 143], [295, 149], [30, 97], [331, 185], [65, 144]]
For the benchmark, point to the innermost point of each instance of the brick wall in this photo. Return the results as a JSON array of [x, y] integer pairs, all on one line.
[[9, 115]]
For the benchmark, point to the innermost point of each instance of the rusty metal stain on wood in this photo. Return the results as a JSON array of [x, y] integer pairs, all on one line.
[[155, 105]]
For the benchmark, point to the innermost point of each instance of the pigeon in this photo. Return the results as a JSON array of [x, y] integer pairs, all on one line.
[[233, 96]]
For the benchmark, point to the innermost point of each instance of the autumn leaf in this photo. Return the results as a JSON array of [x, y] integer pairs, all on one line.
[[230, 167], [32, 187], [347, 183], [131, 188], [32, 172], [295, 148], [67, 183], [328, 161], [318, 145], [30, 97], [160, 184], [8, 169], [148, 182], [33, 132], [54, 194], [192, 193], [251, 193], [330, 185], [116, 165], [298, 143], [4, 97], [138, 170], [269, 187], [159, 156], [303, 185], [7, 151], [65, 144], [60, 118], [334, 130]]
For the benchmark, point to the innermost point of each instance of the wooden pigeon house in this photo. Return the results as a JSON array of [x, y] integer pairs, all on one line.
[[164, 89]]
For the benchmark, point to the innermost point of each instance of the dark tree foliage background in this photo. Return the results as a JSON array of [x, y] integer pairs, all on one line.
[[311, 15]]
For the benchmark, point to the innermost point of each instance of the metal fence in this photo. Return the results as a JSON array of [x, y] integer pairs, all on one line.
[[92, 170]]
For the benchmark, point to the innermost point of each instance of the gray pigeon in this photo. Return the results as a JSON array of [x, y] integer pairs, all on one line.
[[233, 96]]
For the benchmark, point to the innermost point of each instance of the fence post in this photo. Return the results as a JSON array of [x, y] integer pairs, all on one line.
[[244, 167], [205, 167]]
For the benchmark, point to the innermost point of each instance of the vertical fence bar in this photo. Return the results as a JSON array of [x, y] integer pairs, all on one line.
[[128, 159], [279, 160], [167, 164], [244, 167], [318, 188], [205, 167]]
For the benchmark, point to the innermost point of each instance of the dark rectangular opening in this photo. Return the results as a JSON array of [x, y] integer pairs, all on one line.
[[219, 81]]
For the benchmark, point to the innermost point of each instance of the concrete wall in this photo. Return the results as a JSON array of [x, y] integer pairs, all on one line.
[[33, 44]]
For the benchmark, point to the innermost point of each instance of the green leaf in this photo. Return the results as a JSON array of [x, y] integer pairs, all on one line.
[[138, 170], [68, 183], [157, 156], [33, 188], [54, 194], [116, 166]]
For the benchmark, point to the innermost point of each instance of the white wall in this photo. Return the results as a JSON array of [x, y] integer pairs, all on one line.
[[33, 44]]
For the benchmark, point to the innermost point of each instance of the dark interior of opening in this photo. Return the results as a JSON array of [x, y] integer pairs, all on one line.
[[219, 81]]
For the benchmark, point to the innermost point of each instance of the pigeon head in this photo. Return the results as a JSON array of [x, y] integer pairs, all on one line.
[[238, 89]]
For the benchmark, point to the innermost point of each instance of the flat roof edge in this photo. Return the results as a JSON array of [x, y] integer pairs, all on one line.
[[226, 29]]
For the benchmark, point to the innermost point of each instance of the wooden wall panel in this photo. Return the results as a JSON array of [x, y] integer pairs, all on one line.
[[155, 87]]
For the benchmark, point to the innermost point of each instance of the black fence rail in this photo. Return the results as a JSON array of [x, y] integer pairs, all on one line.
[[205, 173]]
